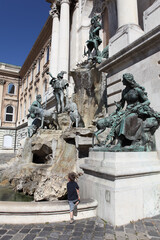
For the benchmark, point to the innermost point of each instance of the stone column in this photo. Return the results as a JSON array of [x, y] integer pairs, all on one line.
[[127, 12], [53, 65], [63, 63], [128, 28], [74, 43], [74, 38], [54, 42]]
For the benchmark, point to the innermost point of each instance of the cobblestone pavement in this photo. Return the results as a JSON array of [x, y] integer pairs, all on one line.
[[92, 228]]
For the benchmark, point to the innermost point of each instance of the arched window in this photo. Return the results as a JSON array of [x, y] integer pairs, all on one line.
[[47, 54], [22, 86], [24, 108], [32, 74], [11, 88], [7, 141], [30, 100], [44, 88], [20, 113], [38, 65], [27, 81], [9, 114], [36, 92]]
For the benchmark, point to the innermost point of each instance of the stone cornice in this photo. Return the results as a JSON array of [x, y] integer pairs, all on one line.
[[134, 49], [9, 73]]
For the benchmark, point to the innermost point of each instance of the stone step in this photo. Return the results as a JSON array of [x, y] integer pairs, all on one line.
[[42, 212]]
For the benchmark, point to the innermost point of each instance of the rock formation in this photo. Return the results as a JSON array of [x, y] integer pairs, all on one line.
[[43, 163]]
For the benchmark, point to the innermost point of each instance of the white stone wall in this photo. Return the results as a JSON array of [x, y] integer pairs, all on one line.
[[21, 134]]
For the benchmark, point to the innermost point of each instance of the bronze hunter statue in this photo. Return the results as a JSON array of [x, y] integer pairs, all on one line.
[[93, 53], [59, 85]]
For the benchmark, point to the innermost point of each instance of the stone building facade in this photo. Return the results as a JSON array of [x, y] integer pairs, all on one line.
[[130, 28], [34, 79], [9, 94]]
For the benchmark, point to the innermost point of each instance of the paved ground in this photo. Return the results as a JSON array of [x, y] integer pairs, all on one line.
[[90, 229]]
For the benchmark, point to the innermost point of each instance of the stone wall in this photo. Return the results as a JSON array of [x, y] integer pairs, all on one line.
[[21, 134], [7, 144]]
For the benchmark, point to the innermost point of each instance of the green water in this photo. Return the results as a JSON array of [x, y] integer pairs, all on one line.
[[8, 194]]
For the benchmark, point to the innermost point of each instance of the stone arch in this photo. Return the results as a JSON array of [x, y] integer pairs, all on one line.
[[9, 113]]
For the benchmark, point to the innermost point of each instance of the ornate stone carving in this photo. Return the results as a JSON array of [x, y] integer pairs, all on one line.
[[42, 53], [54, 11], [2, 81], [34, 64]]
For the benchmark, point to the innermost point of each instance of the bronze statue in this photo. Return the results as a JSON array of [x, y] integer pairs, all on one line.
[[59, 84], [40, 118], [93, 53], [94, 39], [133, 127], [34, 120], [75, 117]]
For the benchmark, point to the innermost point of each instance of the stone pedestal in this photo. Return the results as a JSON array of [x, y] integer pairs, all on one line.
[[128, 28], [124, 36], [151, 16], [126, 185]]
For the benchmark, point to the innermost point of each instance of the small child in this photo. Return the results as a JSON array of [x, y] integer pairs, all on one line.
[[73, 195]]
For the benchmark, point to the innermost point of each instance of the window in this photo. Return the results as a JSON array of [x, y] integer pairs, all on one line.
[[27, 81], [22, 86], [32, 72], [11, 88], [7, 141], [36, 92], [24, 108], [29, 101], [38, 66], [20, 114], [47, 54], [44, 89], [9, 114]]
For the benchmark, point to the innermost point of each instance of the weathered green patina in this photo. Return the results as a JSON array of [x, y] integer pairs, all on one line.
[[40, 118], [59, 84], [134, 127], [34, 120], [93, 53]]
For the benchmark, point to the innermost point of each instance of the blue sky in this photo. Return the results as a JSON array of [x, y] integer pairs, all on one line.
[[20, 24]]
